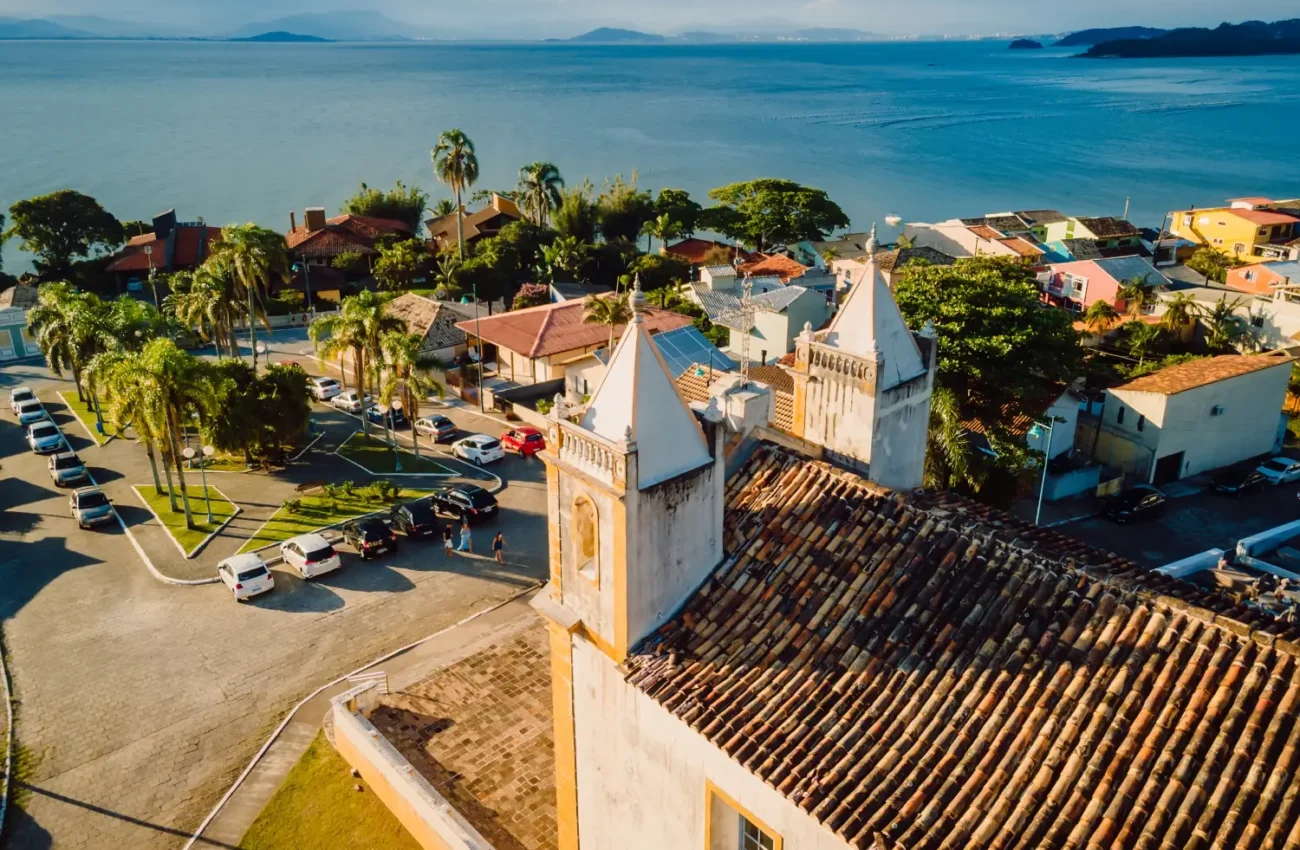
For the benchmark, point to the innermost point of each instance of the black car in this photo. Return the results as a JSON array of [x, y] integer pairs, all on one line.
[[415, 519], [370, 537], [1140, 502], [465, 502], [1237, 480], [396, 418]]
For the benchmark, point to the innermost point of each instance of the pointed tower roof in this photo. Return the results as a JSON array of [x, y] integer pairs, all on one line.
[[869, 325], [637, 402]]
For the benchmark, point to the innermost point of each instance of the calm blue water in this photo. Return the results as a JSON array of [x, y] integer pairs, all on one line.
[[236, 132]]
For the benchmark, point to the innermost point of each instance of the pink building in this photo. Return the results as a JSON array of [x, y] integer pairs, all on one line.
[[1078, 285]]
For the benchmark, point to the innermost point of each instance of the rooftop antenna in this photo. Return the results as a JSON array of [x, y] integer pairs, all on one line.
[[746, 323]]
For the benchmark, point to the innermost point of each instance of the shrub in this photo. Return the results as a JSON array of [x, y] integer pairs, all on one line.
[[543, 406], [347, 488], [293, 506]]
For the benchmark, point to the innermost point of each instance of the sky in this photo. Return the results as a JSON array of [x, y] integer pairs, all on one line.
[[884, 16]]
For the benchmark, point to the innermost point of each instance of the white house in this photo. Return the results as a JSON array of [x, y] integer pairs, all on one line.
[[779, 317]]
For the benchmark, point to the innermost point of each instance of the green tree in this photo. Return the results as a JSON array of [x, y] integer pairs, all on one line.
[[455, 164], [540, 186], [54, 322], [531, 295], [660, 273], [1225, 330], [1181, 311], [1138, 294], [490, 273], [528, 240], [236, 421], [131, 403], [577, 215], [611, 310], [1213, 263], [565, 255], [286, 407], [623, 209], [678, 206], [399, 204], [204, 301], [406, 376], [354, 264], [255, 258], [1100, 317], [182, 385], [662, 228], [400, 264], [62, 227], [769, 212], [358, 328], [444, 207], [950, 459], [1142, 338], [445, 276]]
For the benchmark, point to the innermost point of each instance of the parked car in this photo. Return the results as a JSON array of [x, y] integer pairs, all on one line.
[[415, 519], [44, 437], [1280, 470], [67, 468], [465, 502], [396, 418], [525, 442], [18, 395], [31, 411], [311, 555], [439, 427], [246, 575], [479, 449], [370, 537], [323, 389], [1236, 480], [90, 506], [1140, 502], [350, 400]]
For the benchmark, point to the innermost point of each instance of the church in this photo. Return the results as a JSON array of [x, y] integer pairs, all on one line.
[[769, 637]]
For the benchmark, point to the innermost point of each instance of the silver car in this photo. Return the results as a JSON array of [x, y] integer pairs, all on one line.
[[30, 411], [90, 507], [67, 468], [44, 437], [18, 395]]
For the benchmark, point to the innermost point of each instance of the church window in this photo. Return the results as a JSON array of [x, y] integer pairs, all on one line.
[[586, 537]]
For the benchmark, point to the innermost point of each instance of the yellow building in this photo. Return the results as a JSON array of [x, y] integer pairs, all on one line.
[[1247, 227]]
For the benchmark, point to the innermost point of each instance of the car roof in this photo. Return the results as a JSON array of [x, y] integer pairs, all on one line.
[[528, 429], [369, 520], [31, 402], [320, 379], [468, 488], [309, 541], [64, 454], [16, 390], [480, 438], [243, 561], [82, 491], [44, 423]]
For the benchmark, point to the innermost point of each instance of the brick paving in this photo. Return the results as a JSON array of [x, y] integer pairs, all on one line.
[[481, 732]]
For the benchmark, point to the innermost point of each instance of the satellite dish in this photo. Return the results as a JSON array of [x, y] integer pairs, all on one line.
[[893, 219]]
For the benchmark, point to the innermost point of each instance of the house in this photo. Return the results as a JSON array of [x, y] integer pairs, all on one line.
[[1264, 278], [956, 238], [530, 345], [774, 265], [20, 296], [171, 246], [696, 251], [779, 317], [485, 223], [15, 340], [815, 254], [683, 350], [1245, 228], [435, 322], [1077, 286], [321, 239], [1195, 416], [570, 291]]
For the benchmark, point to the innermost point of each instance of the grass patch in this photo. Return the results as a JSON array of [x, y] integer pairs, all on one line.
[[377, 457], [316, 806], [316, 512], [87, 417], [188, 538]]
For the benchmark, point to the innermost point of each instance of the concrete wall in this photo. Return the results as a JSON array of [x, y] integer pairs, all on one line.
[[642, 773], [1064, 418], [898, 442], [588, 593], [426, 814]]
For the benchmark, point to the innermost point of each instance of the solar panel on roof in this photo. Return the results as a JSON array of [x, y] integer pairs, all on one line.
[[686, 346]]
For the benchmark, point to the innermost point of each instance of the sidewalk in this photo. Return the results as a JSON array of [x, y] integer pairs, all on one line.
[[404, 670]]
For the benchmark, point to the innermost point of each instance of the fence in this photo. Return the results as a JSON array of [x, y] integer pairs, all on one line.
[[1114, 449]]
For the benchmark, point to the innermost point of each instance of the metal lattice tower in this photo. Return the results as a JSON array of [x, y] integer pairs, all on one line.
[[747, 323]]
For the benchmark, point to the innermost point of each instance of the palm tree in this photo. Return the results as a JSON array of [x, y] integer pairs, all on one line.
[[445, 276], [181, 385], [539, 190], [1137, 296], [1224, 328], [358, 329], [566, 254], [662, 228], [406, 376], [1181, 312], [1142, 338], [612, 310], [56, 322], [445, 206], [202, 300], [905, 242], [949, 458], [1211, 262], [255, 257], [1101, 317], [132, 401], [455, 164]]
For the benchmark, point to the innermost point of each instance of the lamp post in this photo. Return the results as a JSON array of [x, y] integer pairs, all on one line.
[[479, 345], [386, 414], [148, 252], [397, 450], [306, 278], [1037, 432], [208, 452]]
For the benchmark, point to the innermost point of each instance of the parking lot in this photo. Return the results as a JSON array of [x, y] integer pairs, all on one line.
[[139, 700]]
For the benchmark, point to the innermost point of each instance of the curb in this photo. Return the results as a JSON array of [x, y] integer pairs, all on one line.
[[337, 453], [94, 439], [198, 833], [197, 549]]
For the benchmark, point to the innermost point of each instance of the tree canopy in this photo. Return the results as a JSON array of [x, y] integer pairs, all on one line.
[[623, 210], [62, 227], [767, 212], [577, 215], [400, 264], [678, 206], [400, 203]]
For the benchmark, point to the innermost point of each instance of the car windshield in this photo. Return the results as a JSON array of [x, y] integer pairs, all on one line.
[[1277, 465], [23, 395], [488, 445], [255, 572], [91, 500], [321, 554], [42, 431], [533, 438], [29, 407], [441, 421], [69, 462], [326, 382]]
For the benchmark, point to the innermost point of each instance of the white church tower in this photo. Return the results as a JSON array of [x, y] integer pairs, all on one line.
[[862, 387]]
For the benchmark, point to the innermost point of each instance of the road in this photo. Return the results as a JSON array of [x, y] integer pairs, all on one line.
[[140, 701]]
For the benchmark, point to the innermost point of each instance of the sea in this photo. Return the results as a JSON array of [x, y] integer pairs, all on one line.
[[926, 131]]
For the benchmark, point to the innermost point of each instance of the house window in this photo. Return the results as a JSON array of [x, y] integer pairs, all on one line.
[[1142, 423], [1078, 286], [1239, 248], [1187, 219], [1119, 416], [730, 826], [754, 838], [586, 538], [1257, 321], [1248, 275]]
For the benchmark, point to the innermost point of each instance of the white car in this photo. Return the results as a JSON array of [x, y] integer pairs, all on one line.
[[479, 449], [67, 468], [311, 555], [1280, 470], [350, 400], [324, 389], [44, 437], [18, 395], [245, 575], [30, 411]]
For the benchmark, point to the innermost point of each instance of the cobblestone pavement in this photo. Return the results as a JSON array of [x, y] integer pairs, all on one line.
[[140, 701]]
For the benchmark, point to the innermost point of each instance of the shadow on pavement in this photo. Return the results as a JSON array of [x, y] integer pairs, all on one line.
[[15, 492], [366, 577], [292, 595], [25, 569], [100, 810], [104, 475], [22, 832]]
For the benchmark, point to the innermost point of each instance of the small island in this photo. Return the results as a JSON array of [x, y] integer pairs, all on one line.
[[279, 37], [1252, 38], [612, 35], [1026, 44]]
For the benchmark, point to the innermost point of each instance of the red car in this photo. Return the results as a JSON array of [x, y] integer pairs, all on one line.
[[525, 442]]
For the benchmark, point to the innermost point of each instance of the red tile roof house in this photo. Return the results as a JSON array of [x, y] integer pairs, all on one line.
[[320, 240], [694, 250], [1077, 286], [531, 345], [171, 246]]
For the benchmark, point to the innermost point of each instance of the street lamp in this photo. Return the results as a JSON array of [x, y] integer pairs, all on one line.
[[1037, 433], [208, 452], [397, 454], [386, 413]]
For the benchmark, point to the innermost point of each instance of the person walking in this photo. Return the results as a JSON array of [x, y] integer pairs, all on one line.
[[498, 543], [447, 534], [466, 540]]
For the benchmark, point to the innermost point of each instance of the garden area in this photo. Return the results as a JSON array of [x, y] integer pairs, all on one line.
[[334, 503], [189, 539], [86, 413], [378, 457]]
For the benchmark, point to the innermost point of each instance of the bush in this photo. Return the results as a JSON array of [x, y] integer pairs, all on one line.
[[347, 488], [293, 506], [543, 406], [384, 490]]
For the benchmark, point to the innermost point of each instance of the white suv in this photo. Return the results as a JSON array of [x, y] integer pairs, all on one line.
[[479, 449], [311, 555], [324, 389]]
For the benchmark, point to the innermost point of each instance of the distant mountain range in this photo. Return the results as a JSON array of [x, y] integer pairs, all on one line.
[[1087, 38], [614, 35], [11, 28], [1252, 38]]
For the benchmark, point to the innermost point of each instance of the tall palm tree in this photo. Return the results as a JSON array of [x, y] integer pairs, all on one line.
[[662, 228], [612, 310], [1137, 295], [254, 257], [1142, 338], [181, 385], [357, 329], [949, 458], [406, 376], [1100, 317], [1224, 328], [57, 323], [539, 190], [455, 164], [203, 301], [1181, 313], [132, 401]]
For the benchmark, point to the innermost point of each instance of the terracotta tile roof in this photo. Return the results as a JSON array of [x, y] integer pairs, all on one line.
[[1265, 217], [1023, 248], [929, 674], [443, 228], [774, 376], [776, 264], [190, 247], [1032, 217], [343, 233], [694, 250], [786, 360], [18, 296], [692, 387], [555, 328], [1199, 373], [983, 231]]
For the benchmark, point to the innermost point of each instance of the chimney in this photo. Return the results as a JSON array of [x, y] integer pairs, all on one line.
[[314, 219], [293, 221]]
